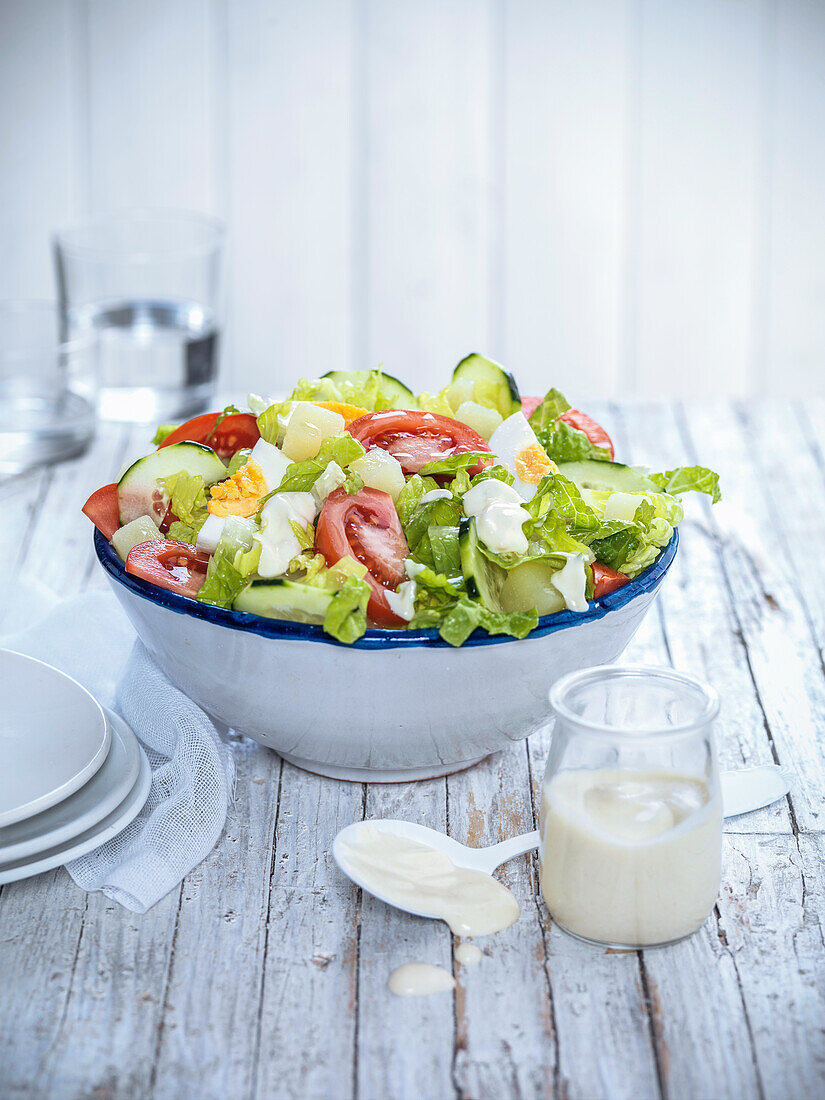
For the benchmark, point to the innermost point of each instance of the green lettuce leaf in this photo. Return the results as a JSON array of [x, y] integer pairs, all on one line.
[[187, 496], [163, 432], [270, 422], [564, 443], [562, 495], [346, 617], [410, 496], [466, 615], [301, 476], [235, 559], [364, 391], [551, 408], [444, 549], [437, 402], [453, 463], [632, 547], [683, 479], [238, 459]]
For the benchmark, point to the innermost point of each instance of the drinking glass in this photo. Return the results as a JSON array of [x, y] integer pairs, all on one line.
[[47, 388], [631, 817], [148, 284]]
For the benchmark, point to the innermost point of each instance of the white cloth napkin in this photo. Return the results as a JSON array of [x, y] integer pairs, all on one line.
[[90, 638]]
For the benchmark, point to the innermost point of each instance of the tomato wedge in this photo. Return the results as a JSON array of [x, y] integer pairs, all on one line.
[[591, 428], [102, 509], [365, 526], [606, 580], [177, 566], [416, 438], [234, 432]]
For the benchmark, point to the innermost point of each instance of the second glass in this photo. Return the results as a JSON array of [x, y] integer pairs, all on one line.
[[147, 284], [631, 818]]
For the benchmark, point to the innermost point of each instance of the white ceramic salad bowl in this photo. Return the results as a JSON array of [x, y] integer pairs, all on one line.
[[395, 705]]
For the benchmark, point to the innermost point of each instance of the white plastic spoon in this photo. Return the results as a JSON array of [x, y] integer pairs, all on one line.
[[743, 790]]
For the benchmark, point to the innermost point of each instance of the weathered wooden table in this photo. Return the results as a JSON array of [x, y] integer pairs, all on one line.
[[264, 975]]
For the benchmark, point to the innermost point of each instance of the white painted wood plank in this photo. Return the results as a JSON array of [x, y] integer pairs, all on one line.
[[511, 1051], [794, 332], [306, 1039], [211, 1009], [699, 142], [38, 141], [565, 102], [692, 627], [769, 611], [404, 1044], [703, 635], [150, 131], [794, 484], [428, 181], [59, 552], [772, 914], [37, 953], [291, 200], [108, 964]]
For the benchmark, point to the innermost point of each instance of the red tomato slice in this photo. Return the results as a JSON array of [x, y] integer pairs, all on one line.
[[102, 510], [177, 566], [234, 432], [594, 431], [416, 438], [606, 580], [365, 526]]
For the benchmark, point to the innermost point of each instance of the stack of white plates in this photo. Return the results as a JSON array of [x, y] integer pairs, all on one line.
[[72, 775]]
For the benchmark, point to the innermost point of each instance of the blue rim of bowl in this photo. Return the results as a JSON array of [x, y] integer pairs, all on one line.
[[646, 582]]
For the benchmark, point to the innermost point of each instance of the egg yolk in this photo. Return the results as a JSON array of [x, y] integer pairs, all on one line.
[[349, 412], [240, 494], [532, 464]]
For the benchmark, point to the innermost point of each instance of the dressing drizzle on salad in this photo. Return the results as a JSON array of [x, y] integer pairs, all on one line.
[[357, 504]]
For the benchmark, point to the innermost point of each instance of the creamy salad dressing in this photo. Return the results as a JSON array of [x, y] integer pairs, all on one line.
[[630, 857], [467, 954], [415, 876], [499, 515], [571, 582], [419, 980]]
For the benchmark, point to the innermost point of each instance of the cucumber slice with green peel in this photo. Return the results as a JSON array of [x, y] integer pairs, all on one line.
[[138, 492], [490, 382], [391, 389], [283, 599], [484, 579], [607, 477]]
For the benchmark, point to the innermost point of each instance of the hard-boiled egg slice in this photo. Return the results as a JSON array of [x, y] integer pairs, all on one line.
[[516, 447], [210, 533], [273, 463], [239, 495]]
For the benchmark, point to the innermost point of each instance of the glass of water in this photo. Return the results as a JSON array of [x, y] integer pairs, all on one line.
[[47, 388], [147, 284]]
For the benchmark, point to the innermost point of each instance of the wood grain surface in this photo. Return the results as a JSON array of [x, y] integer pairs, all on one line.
[[264, 974]]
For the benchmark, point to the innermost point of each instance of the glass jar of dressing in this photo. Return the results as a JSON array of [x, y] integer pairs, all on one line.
[[631, 810]]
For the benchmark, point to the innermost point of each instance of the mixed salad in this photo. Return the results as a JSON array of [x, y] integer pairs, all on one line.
[[356, 504]]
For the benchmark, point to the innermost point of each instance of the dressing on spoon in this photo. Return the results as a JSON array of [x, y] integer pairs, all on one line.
[[414, 876]]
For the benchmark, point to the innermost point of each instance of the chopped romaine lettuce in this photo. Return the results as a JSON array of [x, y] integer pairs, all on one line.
[[163, 432], [346, 617], [235, 559], [187, 497], [686, 478]]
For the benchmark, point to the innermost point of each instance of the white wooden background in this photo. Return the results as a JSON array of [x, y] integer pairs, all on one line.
[[623, 196]]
